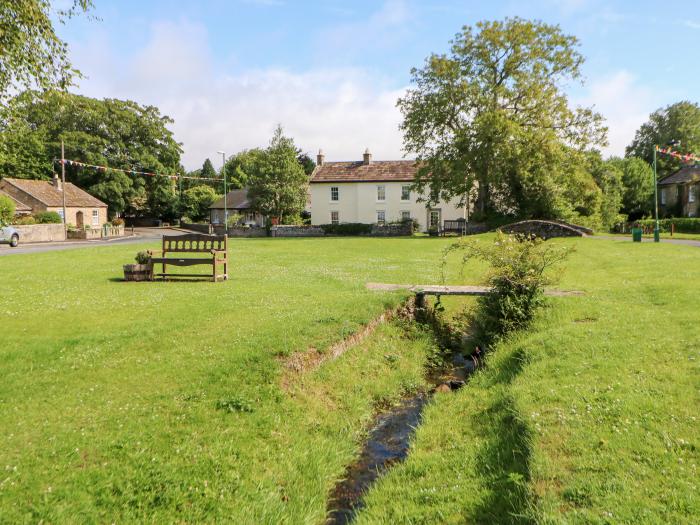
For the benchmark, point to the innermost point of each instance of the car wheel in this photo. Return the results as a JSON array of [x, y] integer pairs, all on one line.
[[14, 241]]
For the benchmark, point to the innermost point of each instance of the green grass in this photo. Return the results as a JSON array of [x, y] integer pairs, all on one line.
[[162, 402]]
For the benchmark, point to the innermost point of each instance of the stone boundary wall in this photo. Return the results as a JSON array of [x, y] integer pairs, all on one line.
[[392, 230], [544, 229], [252, 231], [85, 235], [199, 228], [297, 231], [41, 233]]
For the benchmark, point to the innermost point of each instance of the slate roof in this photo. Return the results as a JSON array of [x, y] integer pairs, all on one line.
[[20, 207], [235, 200], [358, 171], [45, 192], [682, 176]]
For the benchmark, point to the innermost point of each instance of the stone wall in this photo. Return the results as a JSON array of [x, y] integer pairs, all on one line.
[[199, 228], [296, 231], [251, 231], [544, 229], [392, 230], [41, 233]]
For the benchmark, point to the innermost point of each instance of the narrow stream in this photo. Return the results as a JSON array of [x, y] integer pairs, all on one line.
[[388, 441]]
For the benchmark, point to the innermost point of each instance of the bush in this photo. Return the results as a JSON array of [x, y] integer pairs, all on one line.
[[349, 228], [117, 221], [517, 277], [234, 219], [48, 217], [7, 210], [681, 224], [142, 258], [25, 220]]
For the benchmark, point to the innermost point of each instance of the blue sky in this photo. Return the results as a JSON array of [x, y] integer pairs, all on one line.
[[330, 71]]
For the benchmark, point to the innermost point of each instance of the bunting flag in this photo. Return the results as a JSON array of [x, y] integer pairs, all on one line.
[[684, 157], [103, 169]]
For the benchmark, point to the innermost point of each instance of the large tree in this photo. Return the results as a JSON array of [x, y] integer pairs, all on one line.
[[637, 186], [196, 202], [492, 114], [31, 54], [115, 133], [277, 183], [679, 122]]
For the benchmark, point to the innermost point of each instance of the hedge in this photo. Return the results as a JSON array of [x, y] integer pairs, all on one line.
[[681, 224], [48, 217], [349, 228]]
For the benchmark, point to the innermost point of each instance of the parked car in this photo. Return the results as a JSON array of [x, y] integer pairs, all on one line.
[[8, 235]]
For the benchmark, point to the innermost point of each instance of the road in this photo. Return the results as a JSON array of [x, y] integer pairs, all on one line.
[[140, 235]]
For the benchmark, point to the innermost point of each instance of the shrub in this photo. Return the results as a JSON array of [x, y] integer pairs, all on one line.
[[48, 217], [349, 228], [234, 219], [25, 220], [7, 210], [518, 273], [681, 224], [142, 258], [117, 221]]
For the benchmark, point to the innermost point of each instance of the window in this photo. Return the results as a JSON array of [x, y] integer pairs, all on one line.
[[406, 192], [335, 193], [405, 215], [691, 193], [663, 196], [95, 217], [381, 193], [434, 223], [250, 216], [381, 216], [60, 213], [335, 217]]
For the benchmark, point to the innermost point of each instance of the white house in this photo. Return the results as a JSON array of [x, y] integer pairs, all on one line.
[[369, 191]]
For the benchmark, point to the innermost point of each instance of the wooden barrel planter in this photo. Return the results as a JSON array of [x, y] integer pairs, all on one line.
[[138, 272]]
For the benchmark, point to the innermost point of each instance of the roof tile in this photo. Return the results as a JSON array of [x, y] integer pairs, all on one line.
[[376, 171]]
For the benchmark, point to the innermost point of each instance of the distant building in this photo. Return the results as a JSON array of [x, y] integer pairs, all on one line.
[[679, 193], [82, 209], [237, 202], [370, 192]]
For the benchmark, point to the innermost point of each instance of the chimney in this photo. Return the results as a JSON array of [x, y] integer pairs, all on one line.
[[320, 158], [57, 182], [367, 157]]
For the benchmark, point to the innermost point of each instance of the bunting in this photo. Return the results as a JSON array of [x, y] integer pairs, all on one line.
[[684, 157], [104, 169]]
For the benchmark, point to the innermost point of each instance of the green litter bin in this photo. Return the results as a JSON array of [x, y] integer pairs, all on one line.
[[637, 234]]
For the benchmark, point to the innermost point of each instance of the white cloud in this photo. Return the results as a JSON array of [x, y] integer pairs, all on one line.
[[691, 24], [342, 110], [623, 102]]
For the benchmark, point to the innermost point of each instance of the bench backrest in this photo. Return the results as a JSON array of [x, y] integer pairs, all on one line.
[[194, 243], [455, 224]]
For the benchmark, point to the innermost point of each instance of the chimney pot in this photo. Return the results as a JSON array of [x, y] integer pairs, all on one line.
[[57, 182], [320, 158], [367, 157]]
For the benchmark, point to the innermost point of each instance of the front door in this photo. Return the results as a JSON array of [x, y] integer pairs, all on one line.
[[434, 220], [80, 222]]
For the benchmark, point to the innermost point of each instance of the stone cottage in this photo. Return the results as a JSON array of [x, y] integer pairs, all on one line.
[[679, 193]]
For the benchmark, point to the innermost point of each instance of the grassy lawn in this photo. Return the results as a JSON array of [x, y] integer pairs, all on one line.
[[163, 402]]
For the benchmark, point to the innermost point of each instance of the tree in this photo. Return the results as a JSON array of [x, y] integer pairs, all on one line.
[[493, 114], [7, 210], [196, 202], [278, 185], [110, 132], [32, 54], [608, 176], [208, 171], [638, 186], [306, 162], [676, 122], [240, 166]]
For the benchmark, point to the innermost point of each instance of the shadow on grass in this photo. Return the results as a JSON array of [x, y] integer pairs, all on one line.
[[504, 457]]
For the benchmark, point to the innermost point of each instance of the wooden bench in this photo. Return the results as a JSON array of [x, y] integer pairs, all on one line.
[[214, 245], [458, 226]]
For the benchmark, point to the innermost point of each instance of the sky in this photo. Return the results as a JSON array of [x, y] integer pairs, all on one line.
[[330, 72]]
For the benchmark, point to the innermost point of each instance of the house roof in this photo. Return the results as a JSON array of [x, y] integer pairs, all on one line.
[[235, 200], [682, 176], [358, 171], [20, 207], [45, 192]]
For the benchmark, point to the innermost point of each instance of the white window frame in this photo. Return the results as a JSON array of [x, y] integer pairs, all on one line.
[[663, 196], [406, 215], [381, 213], [95, 217], [60, 213], [381, 193], [335, 220], [404, 188], [691, 193], [335, 193]]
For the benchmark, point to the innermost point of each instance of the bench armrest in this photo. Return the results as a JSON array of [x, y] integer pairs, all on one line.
[[153, 252]]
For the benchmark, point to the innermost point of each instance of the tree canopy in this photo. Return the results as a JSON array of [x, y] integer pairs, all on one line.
[[110, 132], [7, 210], [196, 202], [277, 183], [492, 115], [675, 122], [31, 54]]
